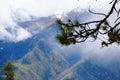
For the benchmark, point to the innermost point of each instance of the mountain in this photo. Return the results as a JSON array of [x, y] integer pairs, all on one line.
[[34, 26], [42, 62], [86, 69], [40, 57], [35, 54]]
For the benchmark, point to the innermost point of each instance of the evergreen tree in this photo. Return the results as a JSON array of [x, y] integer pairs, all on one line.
[[8, 71], [73, 32]]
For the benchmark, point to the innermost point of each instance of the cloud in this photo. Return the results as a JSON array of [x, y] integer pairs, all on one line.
[[13, 33], [94, 51], [45, 7], [40, 7], [22, 34], [21, 10]]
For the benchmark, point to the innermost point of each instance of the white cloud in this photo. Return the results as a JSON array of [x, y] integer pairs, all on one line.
[[13, 34], [10, 10], [22, 34], [44, 7]]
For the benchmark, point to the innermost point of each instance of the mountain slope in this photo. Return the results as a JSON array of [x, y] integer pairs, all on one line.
[[89, 70], [43, 61], [69, 70], [37, 65]]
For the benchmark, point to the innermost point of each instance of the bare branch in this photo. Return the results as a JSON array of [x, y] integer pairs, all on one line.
[[97, 13], [82, 31], [117, 19]]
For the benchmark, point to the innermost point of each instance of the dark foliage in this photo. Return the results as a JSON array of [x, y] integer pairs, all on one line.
[[8, 71]]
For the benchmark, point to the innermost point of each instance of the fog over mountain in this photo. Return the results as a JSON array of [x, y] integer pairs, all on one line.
[[20, 22], [27, 38]]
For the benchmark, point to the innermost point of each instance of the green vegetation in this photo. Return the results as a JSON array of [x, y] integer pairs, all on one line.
[[8, 71]]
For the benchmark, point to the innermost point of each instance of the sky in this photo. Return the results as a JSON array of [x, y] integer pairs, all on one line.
[[12, 10], [44, 7]]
